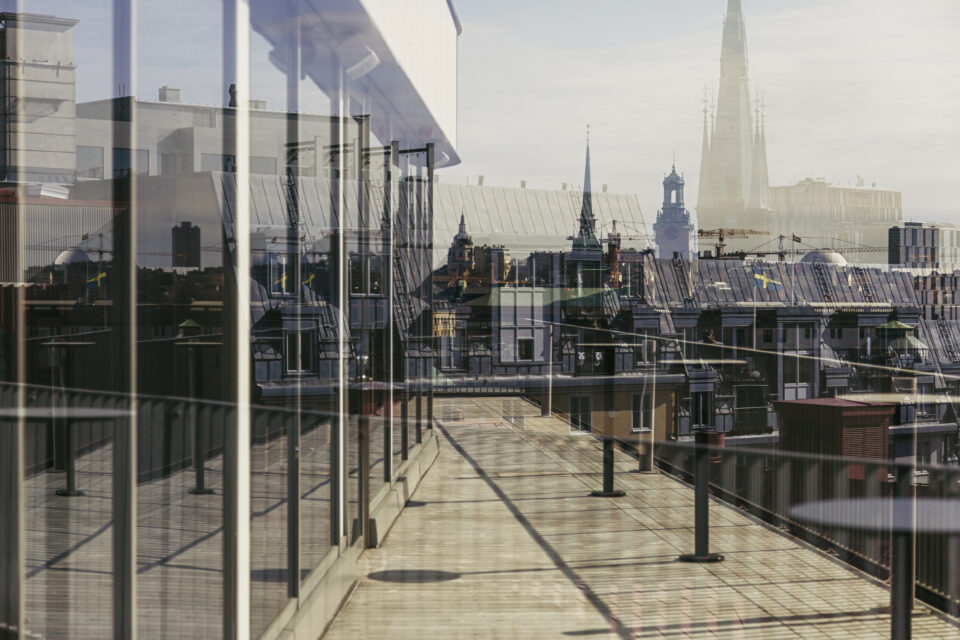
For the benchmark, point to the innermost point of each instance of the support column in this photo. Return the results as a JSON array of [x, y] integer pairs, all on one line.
[[901, 561], [12, 549], [236, 324], [293, 505], [608, 456], [701, 504]]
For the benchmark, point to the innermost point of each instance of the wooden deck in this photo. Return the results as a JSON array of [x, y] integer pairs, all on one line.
[[501, 541]]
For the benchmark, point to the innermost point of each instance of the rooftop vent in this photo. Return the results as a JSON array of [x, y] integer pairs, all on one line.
[[169, 94]]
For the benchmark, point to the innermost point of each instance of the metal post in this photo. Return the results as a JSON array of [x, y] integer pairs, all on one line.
[[199, 487], [418, 427], [392, 170], [901, 563], [125, 527], [608, 490], [428, 230], [12, 574], [701, 504], [404, 420], [293, 505], [363, 475], [71, 459]]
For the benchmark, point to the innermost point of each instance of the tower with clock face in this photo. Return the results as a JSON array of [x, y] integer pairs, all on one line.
[[673, 230]]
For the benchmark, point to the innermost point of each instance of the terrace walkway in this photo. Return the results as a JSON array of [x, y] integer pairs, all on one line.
[[502, 541]]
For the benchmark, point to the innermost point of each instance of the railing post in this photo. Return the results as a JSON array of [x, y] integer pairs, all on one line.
[[418, 427], [784, 481], [812, 476], [608, 490], [404, 425], [728, 472], [71, 458], [901, 563], [952, 589], [199, 487], [12, 547], [293, 505], [841, 490], [363, 474], [701, 503], [125, 526], [755, 485], [872, 482]]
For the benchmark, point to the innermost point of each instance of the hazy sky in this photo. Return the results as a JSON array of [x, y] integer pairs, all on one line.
[[868, 87], [853, 87]]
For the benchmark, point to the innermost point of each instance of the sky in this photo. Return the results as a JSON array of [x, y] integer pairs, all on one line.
[[866, 88]]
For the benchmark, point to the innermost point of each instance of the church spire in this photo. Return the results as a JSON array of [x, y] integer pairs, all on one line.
[[462, 234], [703, 194], [587, 236], [760, 183], [730, 168], [587, 221]]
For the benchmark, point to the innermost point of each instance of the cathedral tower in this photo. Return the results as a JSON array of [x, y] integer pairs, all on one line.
[[733, 169]]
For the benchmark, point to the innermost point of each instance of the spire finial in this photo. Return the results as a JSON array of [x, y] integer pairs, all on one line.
[[674, 160]]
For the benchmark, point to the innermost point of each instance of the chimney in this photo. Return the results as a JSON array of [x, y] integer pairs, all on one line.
[[257, 104], [480, 181], [523, 184], [604, 188], [169, 94], [563, 187]]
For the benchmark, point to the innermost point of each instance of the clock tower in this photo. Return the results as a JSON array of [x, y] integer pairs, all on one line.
[[673, 230]]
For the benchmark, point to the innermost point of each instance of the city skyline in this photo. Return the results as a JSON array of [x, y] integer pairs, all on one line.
[[856, 96]]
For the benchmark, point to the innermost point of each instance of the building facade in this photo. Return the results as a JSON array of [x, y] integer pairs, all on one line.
[[914, 245]]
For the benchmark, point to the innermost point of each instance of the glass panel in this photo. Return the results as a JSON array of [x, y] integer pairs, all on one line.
[[89, 162]]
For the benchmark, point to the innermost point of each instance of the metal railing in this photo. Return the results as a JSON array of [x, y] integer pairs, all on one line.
[[63, 575], [769, 483]]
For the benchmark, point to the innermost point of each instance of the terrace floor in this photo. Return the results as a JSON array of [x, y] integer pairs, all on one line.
[[500, 540]]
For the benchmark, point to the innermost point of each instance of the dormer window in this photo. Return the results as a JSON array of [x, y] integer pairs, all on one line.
[[298, 351], [283, 275], [366, 275]]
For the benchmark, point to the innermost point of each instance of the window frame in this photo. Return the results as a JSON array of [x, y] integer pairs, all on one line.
[[304, 360]]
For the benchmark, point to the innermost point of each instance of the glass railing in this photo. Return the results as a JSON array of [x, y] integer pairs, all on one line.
[[71, 469]]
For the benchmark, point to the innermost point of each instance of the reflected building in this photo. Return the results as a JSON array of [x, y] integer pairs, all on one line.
[[185, 245]]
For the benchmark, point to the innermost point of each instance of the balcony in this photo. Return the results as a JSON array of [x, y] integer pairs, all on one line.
[[499, 537], [502, 540]]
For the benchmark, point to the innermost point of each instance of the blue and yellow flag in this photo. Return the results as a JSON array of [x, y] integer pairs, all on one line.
[[762, 280], [96, 281]]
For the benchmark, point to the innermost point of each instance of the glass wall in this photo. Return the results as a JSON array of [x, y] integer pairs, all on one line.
[[215, 254]]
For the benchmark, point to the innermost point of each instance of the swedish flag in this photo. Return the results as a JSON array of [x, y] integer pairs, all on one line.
[[96, 281], [762, 280], [796, 238]]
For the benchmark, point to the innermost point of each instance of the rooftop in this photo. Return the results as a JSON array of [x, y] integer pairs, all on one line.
[[500, 538]]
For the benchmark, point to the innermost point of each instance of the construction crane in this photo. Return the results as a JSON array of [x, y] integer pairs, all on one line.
[[722, 234], [782, 253]]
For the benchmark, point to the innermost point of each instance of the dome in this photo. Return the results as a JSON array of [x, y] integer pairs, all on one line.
[[72, 256], [825, 256]]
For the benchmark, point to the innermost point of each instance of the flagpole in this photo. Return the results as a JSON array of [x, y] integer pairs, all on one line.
[[793, 289], [754, 313]]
